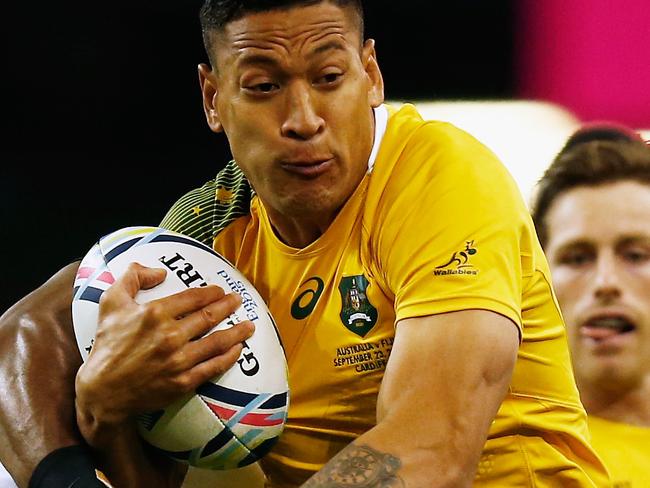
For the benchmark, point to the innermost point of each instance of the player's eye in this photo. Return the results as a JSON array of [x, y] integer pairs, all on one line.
[[636, 255], [576, 258], [329, 78], [266, 87]]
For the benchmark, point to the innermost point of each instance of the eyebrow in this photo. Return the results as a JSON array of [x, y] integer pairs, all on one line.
[[574, 243], [263, 59], [621, 241], [252, 59], [331, 45], [633, 239]]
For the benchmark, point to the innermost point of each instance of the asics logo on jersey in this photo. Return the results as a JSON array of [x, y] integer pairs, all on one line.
[[305, 303]]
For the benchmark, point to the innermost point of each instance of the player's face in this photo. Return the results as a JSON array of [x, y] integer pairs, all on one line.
[[599, 253], [294, 90]]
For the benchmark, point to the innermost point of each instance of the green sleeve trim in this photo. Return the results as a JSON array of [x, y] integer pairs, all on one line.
[[204, 212]]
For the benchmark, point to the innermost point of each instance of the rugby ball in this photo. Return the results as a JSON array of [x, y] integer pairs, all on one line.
[[232, 420]]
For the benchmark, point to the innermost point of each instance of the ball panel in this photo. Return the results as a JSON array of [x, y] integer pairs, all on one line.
[[115, 239], [185, 425], [265, 413], [232, 420], [259, 452], [253, 419], [225, 451], [91, 281]]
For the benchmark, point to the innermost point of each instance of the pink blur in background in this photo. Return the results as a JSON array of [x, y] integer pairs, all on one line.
[[591, 56]]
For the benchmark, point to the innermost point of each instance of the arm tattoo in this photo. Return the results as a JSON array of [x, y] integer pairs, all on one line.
[[358, 466]]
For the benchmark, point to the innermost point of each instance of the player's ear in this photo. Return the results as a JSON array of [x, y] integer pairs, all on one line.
[[208, 81], [373, 73]]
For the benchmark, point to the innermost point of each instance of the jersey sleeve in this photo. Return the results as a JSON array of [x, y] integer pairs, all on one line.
[[204, 212], [452, 226]]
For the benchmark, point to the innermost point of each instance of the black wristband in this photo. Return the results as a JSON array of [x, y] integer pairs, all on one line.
[[68, 467]]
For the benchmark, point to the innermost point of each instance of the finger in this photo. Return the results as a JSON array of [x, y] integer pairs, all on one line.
[[215, 366], [217, 343], [204, 319], [138, 277], [191, 300], [126, 287]]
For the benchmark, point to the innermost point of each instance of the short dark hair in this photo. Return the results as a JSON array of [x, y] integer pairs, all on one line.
[[601, 131], [592, 156], [216, 14]]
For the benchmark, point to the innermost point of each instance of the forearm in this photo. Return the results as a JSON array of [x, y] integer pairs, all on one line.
[[363, 465], [431, 429], [383, 458], [124, 458], [38, 363]]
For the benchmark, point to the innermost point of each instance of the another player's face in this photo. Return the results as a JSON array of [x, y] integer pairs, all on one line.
[[293, 91], [599, 253]]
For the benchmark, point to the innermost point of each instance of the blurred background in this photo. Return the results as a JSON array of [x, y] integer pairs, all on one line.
[[103, 126]]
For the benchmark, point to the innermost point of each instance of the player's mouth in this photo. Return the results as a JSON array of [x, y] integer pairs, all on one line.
[[608, 329], [312, 168]]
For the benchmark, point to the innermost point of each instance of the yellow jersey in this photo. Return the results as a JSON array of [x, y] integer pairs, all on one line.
[[625, 450], [437, 225]]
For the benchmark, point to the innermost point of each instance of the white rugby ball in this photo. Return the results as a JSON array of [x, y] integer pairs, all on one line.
[[232, 420]]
